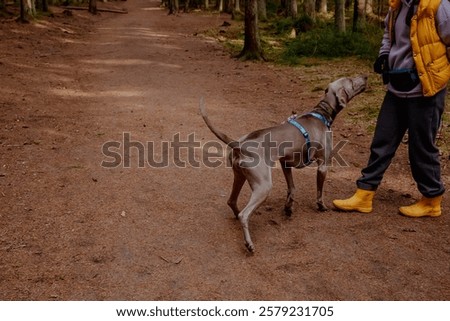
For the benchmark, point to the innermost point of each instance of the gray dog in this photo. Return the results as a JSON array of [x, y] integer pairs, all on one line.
[[296, 143]]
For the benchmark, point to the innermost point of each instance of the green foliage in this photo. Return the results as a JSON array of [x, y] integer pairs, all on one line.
[[313, 39], [283, 25], [326, 42], [302, 24]]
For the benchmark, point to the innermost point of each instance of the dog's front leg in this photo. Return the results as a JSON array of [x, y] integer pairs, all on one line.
[[321, 175]]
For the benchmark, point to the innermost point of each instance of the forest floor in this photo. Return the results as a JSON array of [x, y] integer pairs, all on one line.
[[76, 226]]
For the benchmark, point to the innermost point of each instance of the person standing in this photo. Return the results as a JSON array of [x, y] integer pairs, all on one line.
[[414, 60]]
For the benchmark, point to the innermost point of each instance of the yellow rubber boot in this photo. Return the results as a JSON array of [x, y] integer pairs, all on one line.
[[361, 201], [425, 207]]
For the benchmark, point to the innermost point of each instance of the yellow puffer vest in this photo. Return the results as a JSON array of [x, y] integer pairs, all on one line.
[[429, 52]]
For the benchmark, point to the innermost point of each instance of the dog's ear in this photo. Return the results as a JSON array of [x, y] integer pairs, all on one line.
[[342, 98]]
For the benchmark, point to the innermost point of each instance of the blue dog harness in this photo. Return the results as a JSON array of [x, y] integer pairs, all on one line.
[[293, 121]]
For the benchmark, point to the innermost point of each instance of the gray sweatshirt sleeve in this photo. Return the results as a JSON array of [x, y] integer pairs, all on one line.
[[385, 42], [443, 23]]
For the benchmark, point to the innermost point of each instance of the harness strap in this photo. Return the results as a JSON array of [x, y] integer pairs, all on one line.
[[305, 134], [322, 118], [293, 121]]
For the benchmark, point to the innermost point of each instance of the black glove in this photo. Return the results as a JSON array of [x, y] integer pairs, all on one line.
[[381, 64]]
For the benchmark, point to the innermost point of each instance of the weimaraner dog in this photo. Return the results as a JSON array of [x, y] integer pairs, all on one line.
[[297, 142]]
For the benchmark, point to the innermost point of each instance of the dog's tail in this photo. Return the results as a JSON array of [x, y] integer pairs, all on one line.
[[223, 137]]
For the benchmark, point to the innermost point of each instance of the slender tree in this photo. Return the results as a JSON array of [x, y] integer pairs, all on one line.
[[219, 5], [173, 6], [237, 6], [27, 8], [355, 16], [309, 8], [22, 17], [31, 7], [252, 45], [365, 8], [236, 9], [93, 6], [339, 15], [45, 5], [262, 11], [322, 7], [291, 9]]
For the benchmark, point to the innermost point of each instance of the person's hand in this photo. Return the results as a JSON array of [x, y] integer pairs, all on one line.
[[381, 64]]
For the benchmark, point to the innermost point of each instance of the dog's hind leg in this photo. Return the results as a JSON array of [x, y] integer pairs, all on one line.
[[287, 171], [321, 175], [239, 180], [261, 186]]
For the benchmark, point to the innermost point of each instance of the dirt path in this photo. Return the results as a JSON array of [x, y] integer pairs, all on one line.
[[74, 230]]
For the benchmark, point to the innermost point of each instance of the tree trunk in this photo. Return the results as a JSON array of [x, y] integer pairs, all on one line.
[[229, 6], [291, 9], [23, 15], [380, 7], [30, 7], [262, 12], [252, 46], [93, 6], [45, 5], [322, 6], [27, 8], [309, 8], [365, 7], [237, 6], [173, 7], [236, 9], [339, 15], [219, 5], [356, 15], [360, 7], [206, 4]]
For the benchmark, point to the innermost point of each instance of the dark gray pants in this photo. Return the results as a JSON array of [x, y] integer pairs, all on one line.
[[421, 117]]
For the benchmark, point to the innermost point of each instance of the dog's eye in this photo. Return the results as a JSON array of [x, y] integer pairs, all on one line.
[[326, 90]]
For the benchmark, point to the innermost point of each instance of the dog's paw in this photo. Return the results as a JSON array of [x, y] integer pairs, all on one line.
[[322, 207], [288, 211], [250, 247]]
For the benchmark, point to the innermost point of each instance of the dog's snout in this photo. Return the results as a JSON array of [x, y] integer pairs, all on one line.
[[361, 80], [363, 77]]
